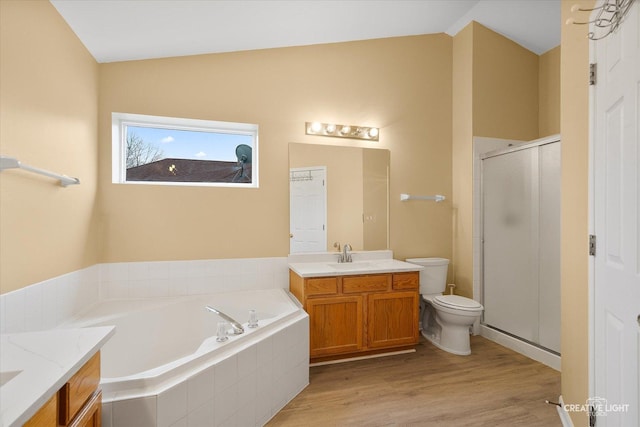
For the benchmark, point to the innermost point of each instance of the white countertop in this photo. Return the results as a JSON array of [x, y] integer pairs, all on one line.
[[332, 268], [44, 361]]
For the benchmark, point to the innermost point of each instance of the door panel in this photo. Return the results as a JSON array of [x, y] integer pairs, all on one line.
[[392, 319], [616, 196], [308, 210], [335, 325]]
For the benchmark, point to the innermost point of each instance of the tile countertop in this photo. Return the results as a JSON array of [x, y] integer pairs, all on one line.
[[333, 268], [44, 361]]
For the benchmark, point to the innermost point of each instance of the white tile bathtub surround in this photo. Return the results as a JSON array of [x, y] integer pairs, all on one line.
[[202, 416], [46, 304], [172, 405], [140, 412], [245, 389], [177, 278], [200, 389]]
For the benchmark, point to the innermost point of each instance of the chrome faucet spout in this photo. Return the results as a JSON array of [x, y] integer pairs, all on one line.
[[237, 327], [346, 253]]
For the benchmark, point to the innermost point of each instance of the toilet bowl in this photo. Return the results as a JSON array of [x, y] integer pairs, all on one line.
[[446, 319]]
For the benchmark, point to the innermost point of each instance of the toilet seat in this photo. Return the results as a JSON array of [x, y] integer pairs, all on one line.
[[457, 302]]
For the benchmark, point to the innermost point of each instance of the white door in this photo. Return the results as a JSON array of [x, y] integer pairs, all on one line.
[[308, 209], [616, 197]]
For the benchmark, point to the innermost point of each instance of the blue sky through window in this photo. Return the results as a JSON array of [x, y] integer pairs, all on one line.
[[188, 144]]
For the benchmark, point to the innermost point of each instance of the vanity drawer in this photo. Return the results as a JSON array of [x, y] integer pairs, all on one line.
[[75, 393], [321, 286], [406, 281], [366, 283]]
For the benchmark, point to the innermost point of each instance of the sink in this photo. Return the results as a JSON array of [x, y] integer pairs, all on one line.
[[346, 266], [7, 376]]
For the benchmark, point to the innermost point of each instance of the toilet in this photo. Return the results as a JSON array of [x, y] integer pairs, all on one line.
[[446, 319]]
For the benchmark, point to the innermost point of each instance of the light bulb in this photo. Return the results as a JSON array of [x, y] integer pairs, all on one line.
[[330, 128], [373, 132], [345, 130], [316, 127]]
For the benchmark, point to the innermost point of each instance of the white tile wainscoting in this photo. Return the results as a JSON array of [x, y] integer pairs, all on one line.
[[48, 304]]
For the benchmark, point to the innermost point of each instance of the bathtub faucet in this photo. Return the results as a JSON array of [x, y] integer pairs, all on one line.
[[237, 327]]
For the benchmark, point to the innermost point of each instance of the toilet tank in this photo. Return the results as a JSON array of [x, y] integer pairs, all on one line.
[[433, 279]]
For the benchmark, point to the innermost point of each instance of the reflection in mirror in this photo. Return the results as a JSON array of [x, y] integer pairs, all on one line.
[[338, 194]]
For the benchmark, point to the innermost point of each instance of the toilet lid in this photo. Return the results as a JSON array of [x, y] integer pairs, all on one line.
[[456, 301]]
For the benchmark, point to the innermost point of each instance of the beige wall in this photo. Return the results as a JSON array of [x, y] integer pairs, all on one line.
[[574, 123], [462, 165], [495, 95], [505, 87], [48, 119], [402, 85], [549, 84]]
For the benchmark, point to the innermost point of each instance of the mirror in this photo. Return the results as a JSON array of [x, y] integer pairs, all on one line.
[[338, 194]]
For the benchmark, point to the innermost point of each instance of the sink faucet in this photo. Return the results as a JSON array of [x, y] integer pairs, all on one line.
[[346, 253]]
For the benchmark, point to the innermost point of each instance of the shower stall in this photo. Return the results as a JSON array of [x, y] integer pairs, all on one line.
[[520, 242]]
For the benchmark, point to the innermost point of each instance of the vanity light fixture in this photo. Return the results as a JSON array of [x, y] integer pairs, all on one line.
[[342, 131]]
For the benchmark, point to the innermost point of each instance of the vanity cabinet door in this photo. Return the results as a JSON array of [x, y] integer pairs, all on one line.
[[74, 395], [47, 416], [335, 325], [91, 414], [392, 319]]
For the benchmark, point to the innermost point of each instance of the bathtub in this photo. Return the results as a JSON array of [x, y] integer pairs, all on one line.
[[164, 366]]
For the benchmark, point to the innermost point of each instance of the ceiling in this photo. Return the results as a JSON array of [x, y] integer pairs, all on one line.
[[123, 30]]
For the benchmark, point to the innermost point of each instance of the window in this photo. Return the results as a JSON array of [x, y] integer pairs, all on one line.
[[175, 151]]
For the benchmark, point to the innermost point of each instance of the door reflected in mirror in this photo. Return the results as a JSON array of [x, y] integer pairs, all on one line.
[[338, 195]]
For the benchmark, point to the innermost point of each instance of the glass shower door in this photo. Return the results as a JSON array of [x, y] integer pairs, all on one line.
[[510, 243], [521, 243]]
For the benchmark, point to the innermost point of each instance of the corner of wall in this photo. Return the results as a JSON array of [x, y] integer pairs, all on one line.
[[574, 125]]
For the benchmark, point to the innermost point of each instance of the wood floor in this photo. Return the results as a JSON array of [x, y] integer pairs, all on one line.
[[494, 386]]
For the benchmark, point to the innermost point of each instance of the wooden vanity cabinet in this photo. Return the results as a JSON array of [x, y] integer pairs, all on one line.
[[357, 315], [79, 400], [77, 404], [47, 415]]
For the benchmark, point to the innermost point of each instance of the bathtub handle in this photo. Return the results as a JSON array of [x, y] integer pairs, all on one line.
[[237, 327]]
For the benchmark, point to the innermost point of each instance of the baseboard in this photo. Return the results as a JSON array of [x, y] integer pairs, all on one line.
[[369, 356], [564, 415], [531, 351]]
